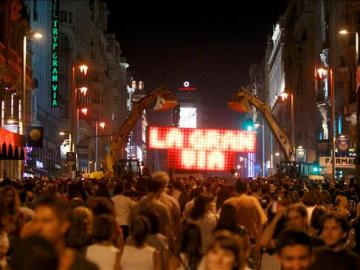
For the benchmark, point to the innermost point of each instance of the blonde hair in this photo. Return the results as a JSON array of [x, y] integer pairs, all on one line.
[[162, 177]]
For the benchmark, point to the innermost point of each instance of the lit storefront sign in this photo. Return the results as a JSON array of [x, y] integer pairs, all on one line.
[[11, 145], [340, 162], [201, 149], [54, 53]]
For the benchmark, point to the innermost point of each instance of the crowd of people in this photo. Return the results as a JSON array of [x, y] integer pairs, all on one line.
[[156, 222]]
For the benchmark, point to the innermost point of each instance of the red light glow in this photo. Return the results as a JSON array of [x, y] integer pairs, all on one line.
[[201, 149]]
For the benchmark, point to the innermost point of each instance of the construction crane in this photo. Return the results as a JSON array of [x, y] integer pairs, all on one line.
[[164, 99], [242, 101]]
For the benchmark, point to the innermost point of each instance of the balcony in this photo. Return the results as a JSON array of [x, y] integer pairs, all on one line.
[[11, 67]]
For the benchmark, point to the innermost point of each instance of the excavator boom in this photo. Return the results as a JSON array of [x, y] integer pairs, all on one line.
[[164, 101], [241, 103]]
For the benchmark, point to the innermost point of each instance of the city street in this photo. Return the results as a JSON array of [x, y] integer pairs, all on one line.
[[177, 136]]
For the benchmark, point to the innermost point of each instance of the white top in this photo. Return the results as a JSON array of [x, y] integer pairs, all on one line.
[[122, 207], [310, 210], [207, 224], [103, 256], [134, 258]]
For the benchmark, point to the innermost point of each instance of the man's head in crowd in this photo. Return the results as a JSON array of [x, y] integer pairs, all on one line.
[[241, 186], [334, 229], [33, 253], [158, 182], [51, 219], [297, 217], [294, 250]]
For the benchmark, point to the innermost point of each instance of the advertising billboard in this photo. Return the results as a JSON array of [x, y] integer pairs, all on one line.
[[201, 149]]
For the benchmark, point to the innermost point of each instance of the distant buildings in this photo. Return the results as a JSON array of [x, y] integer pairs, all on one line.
[[304, 46]]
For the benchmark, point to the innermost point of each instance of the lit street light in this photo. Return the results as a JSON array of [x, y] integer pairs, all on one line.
[[102, 126], [34, 35], [284, 97]]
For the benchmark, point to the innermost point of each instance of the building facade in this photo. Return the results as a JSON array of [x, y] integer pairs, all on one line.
[[81, 112], [14, 26], [310, 47]]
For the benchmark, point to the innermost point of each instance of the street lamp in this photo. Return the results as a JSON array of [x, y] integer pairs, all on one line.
[[63, 133], [346, 32], [102, 126], [34, 35], [76, 89], [284, 97]]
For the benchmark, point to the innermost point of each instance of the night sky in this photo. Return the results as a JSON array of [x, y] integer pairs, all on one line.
[[212, 45]]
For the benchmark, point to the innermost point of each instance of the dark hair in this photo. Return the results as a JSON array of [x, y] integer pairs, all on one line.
[[325, 197], [227, 241], [153, 218], [228, 218], [75, 190], [140, 227], [316, 217], [298, 207], [154, 185], [60, 208], [33, 253], [119, 188], [104, 228], [77, 236], [13, 208], [199, 209], [338, 219], [241, 186], [103, 190], [191, 245], [310, 198], [101, 206], [292, 238]]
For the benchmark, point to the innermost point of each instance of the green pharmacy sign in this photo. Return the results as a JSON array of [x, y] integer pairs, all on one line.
[[55, 54]]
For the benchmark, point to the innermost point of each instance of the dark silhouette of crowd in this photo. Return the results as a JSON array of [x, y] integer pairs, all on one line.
[[179, 223]]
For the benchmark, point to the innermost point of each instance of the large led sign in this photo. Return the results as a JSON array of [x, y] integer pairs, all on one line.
[[201, 149]]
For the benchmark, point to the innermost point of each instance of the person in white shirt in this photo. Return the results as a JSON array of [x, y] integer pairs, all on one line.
[[139, 255], [203, 215], [122, 208], [103, 252]]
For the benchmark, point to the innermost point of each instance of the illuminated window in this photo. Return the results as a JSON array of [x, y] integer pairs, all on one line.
[[188, 117]]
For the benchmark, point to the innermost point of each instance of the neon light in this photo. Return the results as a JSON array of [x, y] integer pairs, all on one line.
[[54, 54], [201, 149]]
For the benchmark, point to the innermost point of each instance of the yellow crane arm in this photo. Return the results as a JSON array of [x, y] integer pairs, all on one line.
[[240, 103], [165, 101]]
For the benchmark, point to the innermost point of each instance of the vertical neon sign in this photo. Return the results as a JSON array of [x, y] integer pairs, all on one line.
[[55, 53]]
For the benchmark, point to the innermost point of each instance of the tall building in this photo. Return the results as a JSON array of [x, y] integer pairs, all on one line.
[[45, 159], [91, 103], [13, 28], [305, 46], [275, 82]]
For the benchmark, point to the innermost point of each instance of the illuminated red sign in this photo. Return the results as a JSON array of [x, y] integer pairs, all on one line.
[[186, 87], [201, 149]]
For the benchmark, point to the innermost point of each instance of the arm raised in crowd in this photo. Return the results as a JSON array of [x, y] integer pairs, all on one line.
[[269, 230]]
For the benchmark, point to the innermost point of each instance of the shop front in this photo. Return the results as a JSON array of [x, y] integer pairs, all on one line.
[[12, 154]]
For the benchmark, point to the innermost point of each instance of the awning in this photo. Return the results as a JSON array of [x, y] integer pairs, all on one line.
[[11, 145]]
